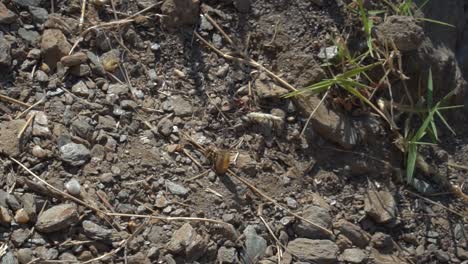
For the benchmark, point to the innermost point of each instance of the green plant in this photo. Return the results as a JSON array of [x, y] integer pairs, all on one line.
[[367, 24], [348, 82], [428, 127]]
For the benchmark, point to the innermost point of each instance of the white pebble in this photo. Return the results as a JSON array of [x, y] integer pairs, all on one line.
[[73, 187]]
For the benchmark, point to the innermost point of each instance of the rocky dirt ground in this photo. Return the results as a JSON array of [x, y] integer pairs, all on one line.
[[116, 130]]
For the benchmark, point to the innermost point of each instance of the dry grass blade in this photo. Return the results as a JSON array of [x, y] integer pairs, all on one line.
[[464, 217], [168, 219], [43, 99], [14, 101], [66, 195], [21, 132]]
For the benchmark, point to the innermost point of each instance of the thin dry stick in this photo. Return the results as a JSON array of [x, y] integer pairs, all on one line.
[[263, 195], [213, 22], [21, 132], [168, 219], [66, 195], [83, 11], [438, 204], [43, 99], [312, 114], [11, 100], [456, 166]]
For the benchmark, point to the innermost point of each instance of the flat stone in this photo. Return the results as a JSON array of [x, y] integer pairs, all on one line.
[[181, 107], [8, 258], [354, 255], [80, 70], [74, 59], [39, 14], [380, 206], [40, 125], [54, 46], [9, 143], [354, 233], [227, 255], [187, 242], [80, 89], [317, 215], [255, 245], [57, 218], [6, 15], [24, 255], [27, 3], [176, 189], [30, 36], [19, 236], [75, 154], [315, 251], [95, 231], [5, 52]]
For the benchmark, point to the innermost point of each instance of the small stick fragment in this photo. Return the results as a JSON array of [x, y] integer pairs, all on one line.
[[214, 192], [83, 11], [21, 132], [456, 166], [43, 99], [11, 100]]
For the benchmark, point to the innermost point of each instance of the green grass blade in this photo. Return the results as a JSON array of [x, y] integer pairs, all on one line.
[[422, 130], [435, 22], [445, 122], [356, 71], [411, 162], [317, 87]]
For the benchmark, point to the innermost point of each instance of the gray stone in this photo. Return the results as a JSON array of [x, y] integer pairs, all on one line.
[[9, 258], [315, 251], [41, 76], [255, 245], [24, 255], [40, 126], [227, 255], [205, 25], [29, 205], [3, 198], [82, 128], [27, 3], [176, 189], [242, 6], [80, 70], [164, 126], [181, 107], [354, 255], [54, 46], [382, 241], [118, 89], [30, 36], [39, 14], [57, 218], [317, 215], [95, 231], [19, 236], [13, 203], [80, 89], [6, 15], [75, 154], [402, 31], [128, 105], [354, 233], [380, 206], [5, 52], [187, 242]]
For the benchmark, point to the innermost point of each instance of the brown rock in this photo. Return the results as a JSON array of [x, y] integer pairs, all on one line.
[[74, 59], [380, 206], [180, 12], [57, 218], [21, 217], [54, 46], [9, 142], [354, 233], [5, 217], [6, 15], [186, 241], [402, 31]]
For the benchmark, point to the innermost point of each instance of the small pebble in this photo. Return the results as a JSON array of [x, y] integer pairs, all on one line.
[[73, 187]]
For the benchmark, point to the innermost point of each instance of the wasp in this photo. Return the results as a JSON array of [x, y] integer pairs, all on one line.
[[221, 159]]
